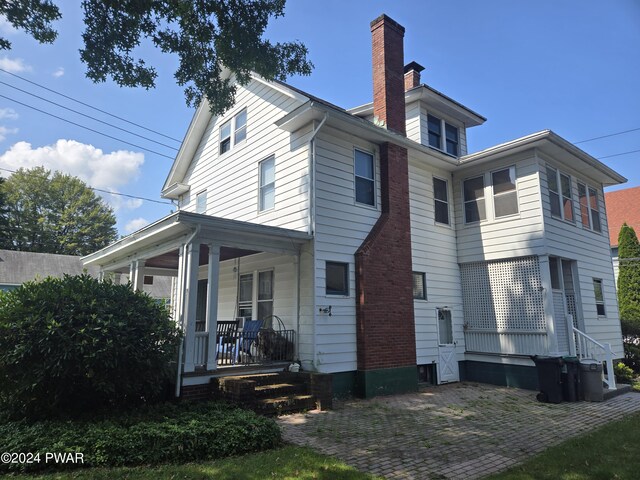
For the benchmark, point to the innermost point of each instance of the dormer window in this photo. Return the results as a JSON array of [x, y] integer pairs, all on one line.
[[447, 143], [237, 125]]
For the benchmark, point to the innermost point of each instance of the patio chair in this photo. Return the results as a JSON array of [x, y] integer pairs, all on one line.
[[227, 340], [248, 337]]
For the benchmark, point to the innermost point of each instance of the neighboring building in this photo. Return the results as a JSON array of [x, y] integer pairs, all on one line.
[[390, 251], [18, 267], [623, 206]]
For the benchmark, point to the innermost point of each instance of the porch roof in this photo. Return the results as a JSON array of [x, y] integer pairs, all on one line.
[[157, 240]]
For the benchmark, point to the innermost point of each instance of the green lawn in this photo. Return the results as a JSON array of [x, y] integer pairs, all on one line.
[[288, 463], [611, 452]]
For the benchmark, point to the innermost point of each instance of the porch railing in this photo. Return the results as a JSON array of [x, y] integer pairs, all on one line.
[[588, 348]]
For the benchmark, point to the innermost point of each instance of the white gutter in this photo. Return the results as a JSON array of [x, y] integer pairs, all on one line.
[[181, 285]]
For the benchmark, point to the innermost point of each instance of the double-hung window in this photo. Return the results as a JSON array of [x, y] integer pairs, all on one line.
[[560, 196], [474, 207], [419, 286], [249, 300], [365, 178], [337, 278], [505, 195], [447, 143], [589, 207], [267, 181], [441, 200], [599, 296], [236, 125], [201, 202]]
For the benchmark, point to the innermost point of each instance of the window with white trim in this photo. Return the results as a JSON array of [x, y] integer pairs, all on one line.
[[449, 141], [237, 125], [201, 202], [441, 200], [473, 192], [589, 207], [560, 196], [337, 278], [256, 298], [267, 181], [365, 178], [265, 294], [505, 195], [599, 296], [419, 286]]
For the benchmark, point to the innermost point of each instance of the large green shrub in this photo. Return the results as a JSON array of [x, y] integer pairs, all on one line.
[[75, 345], [629, 280], [165, 433]]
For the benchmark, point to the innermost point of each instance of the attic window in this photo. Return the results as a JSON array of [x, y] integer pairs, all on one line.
[[237, 125], [560, 197], [448, 143]]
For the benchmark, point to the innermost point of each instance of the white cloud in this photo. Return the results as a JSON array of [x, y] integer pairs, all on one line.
[[8, 114], [119, 202], [4, 131], [101, 170], [135, 224], [14, 65], [58, 73]]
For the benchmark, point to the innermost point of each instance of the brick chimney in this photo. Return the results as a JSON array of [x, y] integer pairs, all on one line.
[[385, 326], [412, 75]]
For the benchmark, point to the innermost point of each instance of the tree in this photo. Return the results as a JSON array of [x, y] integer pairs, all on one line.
[[205, 35], [54, 213], [629, 280]]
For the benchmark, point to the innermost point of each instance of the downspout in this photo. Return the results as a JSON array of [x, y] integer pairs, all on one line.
[[182, 288], [312, 230]]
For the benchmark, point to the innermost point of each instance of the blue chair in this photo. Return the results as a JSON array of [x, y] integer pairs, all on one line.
[[248, 337]]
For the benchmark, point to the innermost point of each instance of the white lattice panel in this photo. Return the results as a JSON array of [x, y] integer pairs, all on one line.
[[503, 295]]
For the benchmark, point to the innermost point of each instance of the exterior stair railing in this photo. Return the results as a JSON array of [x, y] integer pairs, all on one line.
[[588, 348]]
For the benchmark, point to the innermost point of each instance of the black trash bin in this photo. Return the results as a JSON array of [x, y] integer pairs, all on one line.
[[549, 378], [571, 388]]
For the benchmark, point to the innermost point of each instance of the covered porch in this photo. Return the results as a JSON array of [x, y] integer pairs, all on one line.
[[235, 287]]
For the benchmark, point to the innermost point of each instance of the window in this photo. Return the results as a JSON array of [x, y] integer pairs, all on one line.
[[435, 127], [595, 211], [559, 186], [267, 184], [419, 286], [265, 294], [337, 278], [201, 202], [245, 296], [583, 199], [554, 270], [597, 289], [239, 124], [445, 327], [589, 208], [241, 127], [365, 183], [441, 200], [474, 208], [505, 195]]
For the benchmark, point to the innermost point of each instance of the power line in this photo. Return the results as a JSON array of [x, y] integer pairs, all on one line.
[[607, 136], [88, 116], [111, 193], [89, 106], [87, 128], [618, 154]]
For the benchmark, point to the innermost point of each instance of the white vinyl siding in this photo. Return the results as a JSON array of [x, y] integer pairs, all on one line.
[[232, 182]]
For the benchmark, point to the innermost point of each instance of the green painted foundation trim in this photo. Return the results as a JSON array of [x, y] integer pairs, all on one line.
[[344, 384], [387, 381], [518, 376]]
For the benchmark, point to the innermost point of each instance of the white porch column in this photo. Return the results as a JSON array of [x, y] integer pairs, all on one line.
[[190, 302], [213, 273], [136, 274]]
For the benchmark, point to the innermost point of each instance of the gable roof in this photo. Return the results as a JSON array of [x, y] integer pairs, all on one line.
[[19, 267], [622, 206]]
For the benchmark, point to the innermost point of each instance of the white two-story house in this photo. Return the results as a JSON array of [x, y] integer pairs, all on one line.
[[385, 251]]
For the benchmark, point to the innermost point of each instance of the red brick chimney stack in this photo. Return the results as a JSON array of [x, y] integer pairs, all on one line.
[[388, 75], [412, 75]]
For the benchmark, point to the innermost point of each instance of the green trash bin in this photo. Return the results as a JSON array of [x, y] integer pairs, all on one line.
[[571, 386], [591, 380], [549, 378]]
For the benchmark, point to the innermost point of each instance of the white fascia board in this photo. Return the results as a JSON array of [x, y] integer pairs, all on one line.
[[175, 190]]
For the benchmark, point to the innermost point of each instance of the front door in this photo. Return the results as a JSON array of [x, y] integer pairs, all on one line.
[[447, 359]]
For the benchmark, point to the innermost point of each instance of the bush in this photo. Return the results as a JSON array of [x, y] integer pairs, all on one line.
[[632, 352], [75, 345], [623, 373], [159, 434]]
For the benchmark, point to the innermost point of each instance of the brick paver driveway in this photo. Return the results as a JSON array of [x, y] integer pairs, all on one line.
[[462, 430]]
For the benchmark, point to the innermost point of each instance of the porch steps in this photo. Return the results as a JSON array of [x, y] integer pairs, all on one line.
[[621, 388], [276, 393]]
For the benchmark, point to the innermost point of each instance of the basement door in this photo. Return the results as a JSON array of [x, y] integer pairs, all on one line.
[[447, 359]]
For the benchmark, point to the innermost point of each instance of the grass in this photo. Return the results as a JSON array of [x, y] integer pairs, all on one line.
[[610, 452], [288, 463]]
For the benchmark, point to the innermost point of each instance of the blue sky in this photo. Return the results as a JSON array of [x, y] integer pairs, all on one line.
[[570, 66]]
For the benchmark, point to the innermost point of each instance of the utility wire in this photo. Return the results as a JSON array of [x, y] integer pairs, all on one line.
[[112, 193], [87, 128], [607, 136], [618, 154], [88, 116], [90, 106]]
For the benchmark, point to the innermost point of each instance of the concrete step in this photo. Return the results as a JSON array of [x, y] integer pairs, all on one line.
[[620, 389], [287, 404], [280, 390]]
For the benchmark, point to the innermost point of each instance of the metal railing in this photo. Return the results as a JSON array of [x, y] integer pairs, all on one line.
[[588, 348], [257, 348]]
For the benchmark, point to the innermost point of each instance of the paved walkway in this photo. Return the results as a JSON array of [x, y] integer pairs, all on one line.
[[462, 430]]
